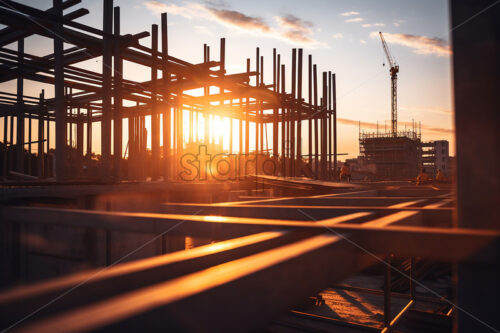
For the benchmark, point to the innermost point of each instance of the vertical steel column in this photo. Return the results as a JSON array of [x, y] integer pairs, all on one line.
[[60, 108], [223, 54], [20, 109], [180, 125], [5, 156], [79, 137], [155, 123], [280, 109], [240, 131], [323, 126], [106, 90], [69, 117], [284, 134], [293, 111], [166, 102], [261, 111], [12, 155], [47, 160], [144, 142], [309, 121], [247, 119], [41, 135], [334, 105], [89, 133], [329, 126], [257, 111], [316, 116], [476, 50], [118, 97], [30, 138], [275, 110], [298, 165], [131, 148], [206, 92]]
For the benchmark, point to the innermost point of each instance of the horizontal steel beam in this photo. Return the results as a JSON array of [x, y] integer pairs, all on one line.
[[223, 296], [404, 240], [108, 282], [265, 283], [196, 225], [431, 216]]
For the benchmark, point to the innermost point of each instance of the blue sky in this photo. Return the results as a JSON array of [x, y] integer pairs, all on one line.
[[341, 36]]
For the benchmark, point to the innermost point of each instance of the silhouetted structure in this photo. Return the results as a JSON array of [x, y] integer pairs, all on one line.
[[84, 98]]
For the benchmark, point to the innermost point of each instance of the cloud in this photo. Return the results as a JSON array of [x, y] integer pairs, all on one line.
[[297, 36], [362, 41], [397, 23], [294, 23], [290, 28], [420, 44], [355, 19], [351, 122], [369, 25], [370, 125], [189, 11], [296, 29], [349, 13], [438, 130], [432, 109], [240, 20], [338, 35]]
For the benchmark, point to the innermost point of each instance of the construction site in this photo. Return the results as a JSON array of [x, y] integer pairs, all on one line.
[[203, 211]]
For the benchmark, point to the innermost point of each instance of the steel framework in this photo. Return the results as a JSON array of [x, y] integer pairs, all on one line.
[[84, 97]]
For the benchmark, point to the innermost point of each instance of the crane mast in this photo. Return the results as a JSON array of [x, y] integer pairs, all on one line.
[[394, 89]]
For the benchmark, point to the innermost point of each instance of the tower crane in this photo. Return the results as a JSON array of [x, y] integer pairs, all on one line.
[[394, 89]]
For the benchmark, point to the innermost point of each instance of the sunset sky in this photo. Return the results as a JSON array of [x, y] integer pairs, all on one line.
[[342, 36]]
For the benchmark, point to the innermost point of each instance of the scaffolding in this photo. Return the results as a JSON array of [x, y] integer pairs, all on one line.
[[394, 156]]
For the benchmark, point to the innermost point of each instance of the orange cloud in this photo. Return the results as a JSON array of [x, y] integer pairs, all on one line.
[[296, 29], [294, 23], [290, 28], [371, 125], [240, 20], [420, 44]]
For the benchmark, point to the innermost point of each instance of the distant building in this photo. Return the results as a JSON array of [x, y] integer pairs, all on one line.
[[436, 155], [395, 156]]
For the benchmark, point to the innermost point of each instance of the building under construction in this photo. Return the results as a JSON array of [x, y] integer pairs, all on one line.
[[395, 156], [116, 241], [83, 99]]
